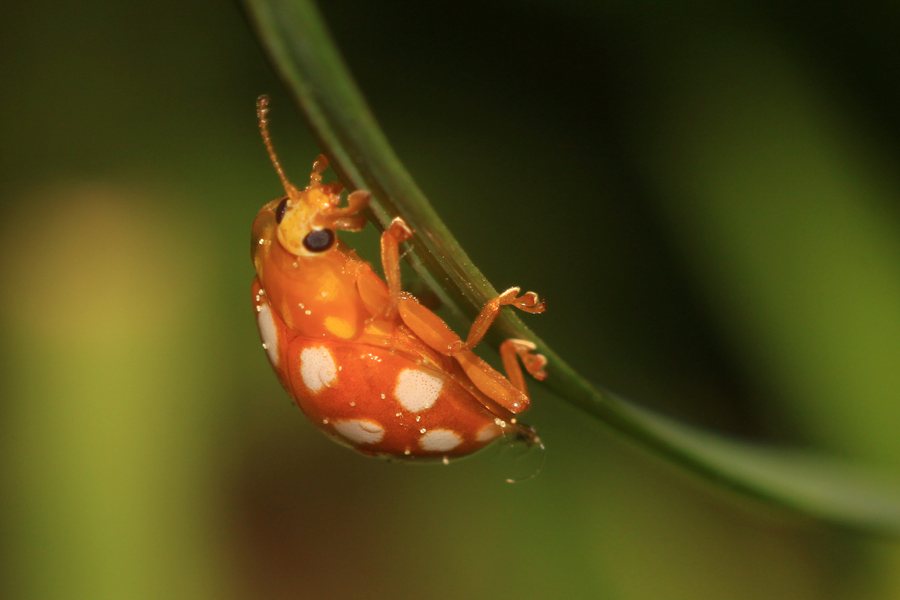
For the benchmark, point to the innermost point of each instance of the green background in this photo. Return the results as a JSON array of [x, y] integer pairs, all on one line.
[[706, 194]]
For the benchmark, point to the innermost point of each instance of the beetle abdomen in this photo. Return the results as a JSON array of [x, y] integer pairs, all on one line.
[[380, 402]]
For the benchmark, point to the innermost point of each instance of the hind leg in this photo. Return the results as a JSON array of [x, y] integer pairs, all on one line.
[[512, 351]]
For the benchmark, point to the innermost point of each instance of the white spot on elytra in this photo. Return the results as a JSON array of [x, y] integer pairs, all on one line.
[[440, 440], [317, 368], [267, 331], [417, 390], [488, 432], [359, 431]]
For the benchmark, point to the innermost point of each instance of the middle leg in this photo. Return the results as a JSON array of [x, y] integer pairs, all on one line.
[[528, 302]]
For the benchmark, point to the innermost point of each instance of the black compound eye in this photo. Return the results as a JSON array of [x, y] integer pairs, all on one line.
[[279, 212], [319, 241]]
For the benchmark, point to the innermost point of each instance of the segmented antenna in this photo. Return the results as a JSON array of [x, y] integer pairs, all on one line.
[[262, 109]]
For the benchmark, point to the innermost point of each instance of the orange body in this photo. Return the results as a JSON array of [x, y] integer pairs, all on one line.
[[366, 363]]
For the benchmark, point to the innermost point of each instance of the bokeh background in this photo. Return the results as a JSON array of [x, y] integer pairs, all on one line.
[[706, 192]]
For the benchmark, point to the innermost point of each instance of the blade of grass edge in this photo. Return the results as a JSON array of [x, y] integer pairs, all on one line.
[[297, 41]]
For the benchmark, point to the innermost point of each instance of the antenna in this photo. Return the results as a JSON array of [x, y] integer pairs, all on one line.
[[262, 109]]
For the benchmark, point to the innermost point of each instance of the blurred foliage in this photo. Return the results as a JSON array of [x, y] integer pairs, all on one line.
[[706, 192]]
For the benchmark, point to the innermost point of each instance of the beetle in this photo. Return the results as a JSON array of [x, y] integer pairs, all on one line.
[[368, 364]]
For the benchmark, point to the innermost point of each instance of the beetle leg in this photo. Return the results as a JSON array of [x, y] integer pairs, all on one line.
[[513, 350], [509, 393], [349, 224], [391, 239], [528, 302], [497, 387], [346, 217]]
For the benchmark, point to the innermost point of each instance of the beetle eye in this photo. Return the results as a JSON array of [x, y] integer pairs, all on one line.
[[279, 212], [319, 241]]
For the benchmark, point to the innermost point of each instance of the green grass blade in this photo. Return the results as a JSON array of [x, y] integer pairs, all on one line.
[[298, 43]]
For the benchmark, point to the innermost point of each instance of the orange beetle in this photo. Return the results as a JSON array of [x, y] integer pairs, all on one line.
[[369, 365]]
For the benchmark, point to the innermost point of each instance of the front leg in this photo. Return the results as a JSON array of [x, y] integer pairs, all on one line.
[[391, 239]]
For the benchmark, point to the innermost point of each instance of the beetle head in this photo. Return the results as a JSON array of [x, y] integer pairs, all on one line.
[[307, 219]]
